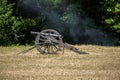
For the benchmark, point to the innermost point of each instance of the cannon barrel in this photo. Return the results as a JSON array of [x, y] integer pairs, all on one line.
[[33, 32], [46, 34]]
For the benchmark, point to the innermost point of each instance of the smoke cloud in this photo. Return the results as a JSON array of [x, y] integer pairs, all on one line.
[[75, 27]]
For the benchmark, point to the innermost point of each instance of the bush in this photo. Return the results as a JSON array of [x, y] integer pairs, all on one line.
[[10, 26]]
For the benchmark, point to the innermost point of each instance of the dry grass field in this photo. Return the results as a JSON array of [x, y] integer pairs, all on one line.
[[102, 63]]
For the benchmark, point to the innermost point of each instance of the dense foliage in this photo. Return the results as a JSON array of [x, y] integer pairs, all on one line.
[[70, 17], [11, 26], [104, 12]]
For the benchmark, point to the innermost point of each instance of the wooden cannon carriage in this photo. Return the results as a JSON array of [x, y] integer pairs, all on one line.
[[50, 41]]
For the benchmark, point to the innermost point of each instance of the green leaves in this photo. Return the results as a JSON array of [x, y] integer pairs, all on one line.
[[117, 8], [109, 21], [117, 26], [112, 14], [11, 25]]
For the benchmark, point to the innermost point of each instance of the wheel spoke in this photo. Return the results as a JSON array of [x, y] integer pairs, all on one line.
[[55, 46], [45, 48], [52, 49], [41, 39], [48, 41], [39, 43]]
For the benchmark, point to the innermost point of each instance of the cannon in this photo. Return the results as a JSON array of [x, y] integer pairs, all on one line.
[[50, 41]]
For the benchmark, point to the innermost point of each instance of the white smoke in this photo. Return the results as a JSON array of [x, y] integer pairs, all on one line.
[[78, 26]]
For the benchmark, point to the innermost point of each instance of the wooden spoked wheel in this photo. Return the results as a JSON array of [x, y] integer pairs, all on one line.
[[48, 41]]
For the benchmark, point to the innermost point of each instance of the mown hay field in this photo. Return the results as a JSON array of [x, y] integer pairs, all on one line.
[[102, 63]]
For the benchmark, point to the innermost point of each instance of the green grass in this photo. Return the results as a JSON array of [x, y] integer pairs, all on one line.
[[102, 63]]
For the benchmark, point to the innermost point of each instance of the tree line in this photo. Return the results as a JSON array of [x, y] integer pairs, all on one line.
[[19, 17]]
